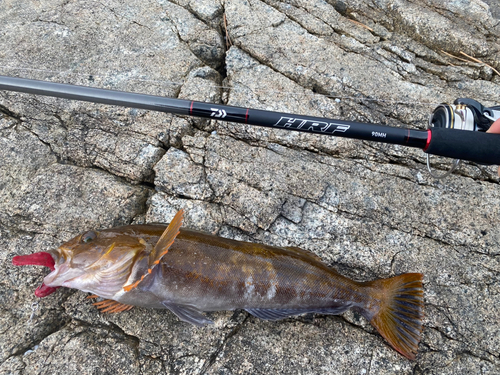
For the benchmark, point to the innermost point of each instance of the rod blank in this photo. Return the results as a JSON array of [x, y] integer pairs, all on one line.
[[286, 121]]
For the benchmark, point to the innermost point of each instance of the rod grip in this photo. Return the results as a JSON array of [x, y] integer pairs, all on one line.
[[469, 145]]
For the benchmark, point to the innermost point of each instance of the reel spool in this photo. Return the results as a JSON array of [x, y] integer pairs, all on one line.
[[463, 114]]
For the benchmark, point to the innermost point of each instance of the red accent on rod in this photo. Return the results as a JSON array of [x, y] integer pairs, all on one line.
[[191, 108], [429, 137], [246, 115]]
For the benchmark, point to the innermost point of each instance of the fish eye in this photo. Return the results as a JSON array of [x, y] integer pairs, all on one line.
[[88, 236]]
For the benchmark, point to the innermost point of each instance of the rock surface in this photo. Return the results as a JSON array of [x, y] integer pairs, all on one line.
[[370, 210]]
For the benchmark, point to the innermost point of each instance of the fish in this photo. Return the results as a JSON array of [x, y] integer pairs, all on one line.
[[190, 272]]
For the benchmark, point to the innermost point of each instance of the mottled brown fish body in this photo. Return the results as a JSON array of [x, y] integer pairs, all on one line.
[[189, 272], [214, 273]]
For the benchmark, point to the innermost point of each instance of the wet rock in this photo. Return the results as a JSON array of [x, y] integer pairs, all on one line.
[[369, 210]]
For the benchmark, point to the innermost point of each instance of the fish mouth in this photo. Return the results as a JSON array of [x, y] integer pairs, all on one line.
[[44, 258]]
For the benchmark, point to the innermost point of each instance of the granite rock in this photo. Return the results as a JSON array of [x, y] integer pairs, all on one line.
[[368, 209]]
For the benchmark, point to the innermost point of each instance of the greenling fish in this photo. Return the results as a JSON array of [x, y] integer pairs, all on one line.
[[189, 272]]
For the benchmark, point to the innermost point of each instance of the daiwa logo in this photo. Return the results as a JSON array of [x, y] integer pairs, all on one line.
[[216, 112], [311, 125]]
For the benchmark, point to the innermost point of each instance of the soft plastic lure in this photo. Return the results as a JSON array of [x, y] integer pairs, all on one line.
[[189, 272]]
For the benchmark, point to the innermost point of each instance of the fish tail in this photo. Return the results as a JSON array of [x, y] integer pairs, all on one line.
[[397, 311]]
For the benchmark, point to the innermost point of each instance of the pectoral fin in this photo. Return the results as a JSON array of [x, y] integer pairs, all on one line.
[[161, 248], [166, 240], [188, 314]]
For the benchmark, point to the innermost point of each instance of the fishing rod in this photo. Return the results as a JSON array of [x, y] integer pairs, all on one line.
[[455, 130]]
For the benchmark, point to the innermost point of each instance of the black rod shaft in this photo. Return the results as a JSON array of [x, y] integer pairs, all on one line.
[[287, 121]]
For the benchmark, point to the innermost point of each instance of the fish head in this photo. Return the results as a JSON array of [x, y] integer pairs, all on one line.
[[97, 262]]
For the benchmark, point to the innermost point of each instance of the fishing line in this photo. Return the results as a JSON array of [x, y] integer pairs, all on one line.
[[104, 76]]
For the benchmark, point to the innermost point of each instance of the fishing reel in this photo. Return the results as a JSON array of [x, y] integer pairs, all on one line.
[[463, 114]]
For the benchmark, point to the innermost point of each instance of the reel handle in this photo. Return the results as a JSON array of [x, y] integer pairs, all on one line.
[[474, 146]]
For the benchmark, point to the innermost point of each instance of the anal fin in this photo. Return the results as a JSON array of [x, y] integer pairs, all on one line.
[[277, 314], [188, 314]]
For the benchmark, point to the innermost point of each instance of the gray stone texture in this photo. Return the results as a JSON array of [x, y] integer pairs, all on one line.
[[369, 210]]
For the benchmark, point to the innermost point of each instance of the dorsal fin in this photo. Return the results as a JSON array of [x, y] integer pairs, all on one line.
[[161, 248], [307, 253]]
